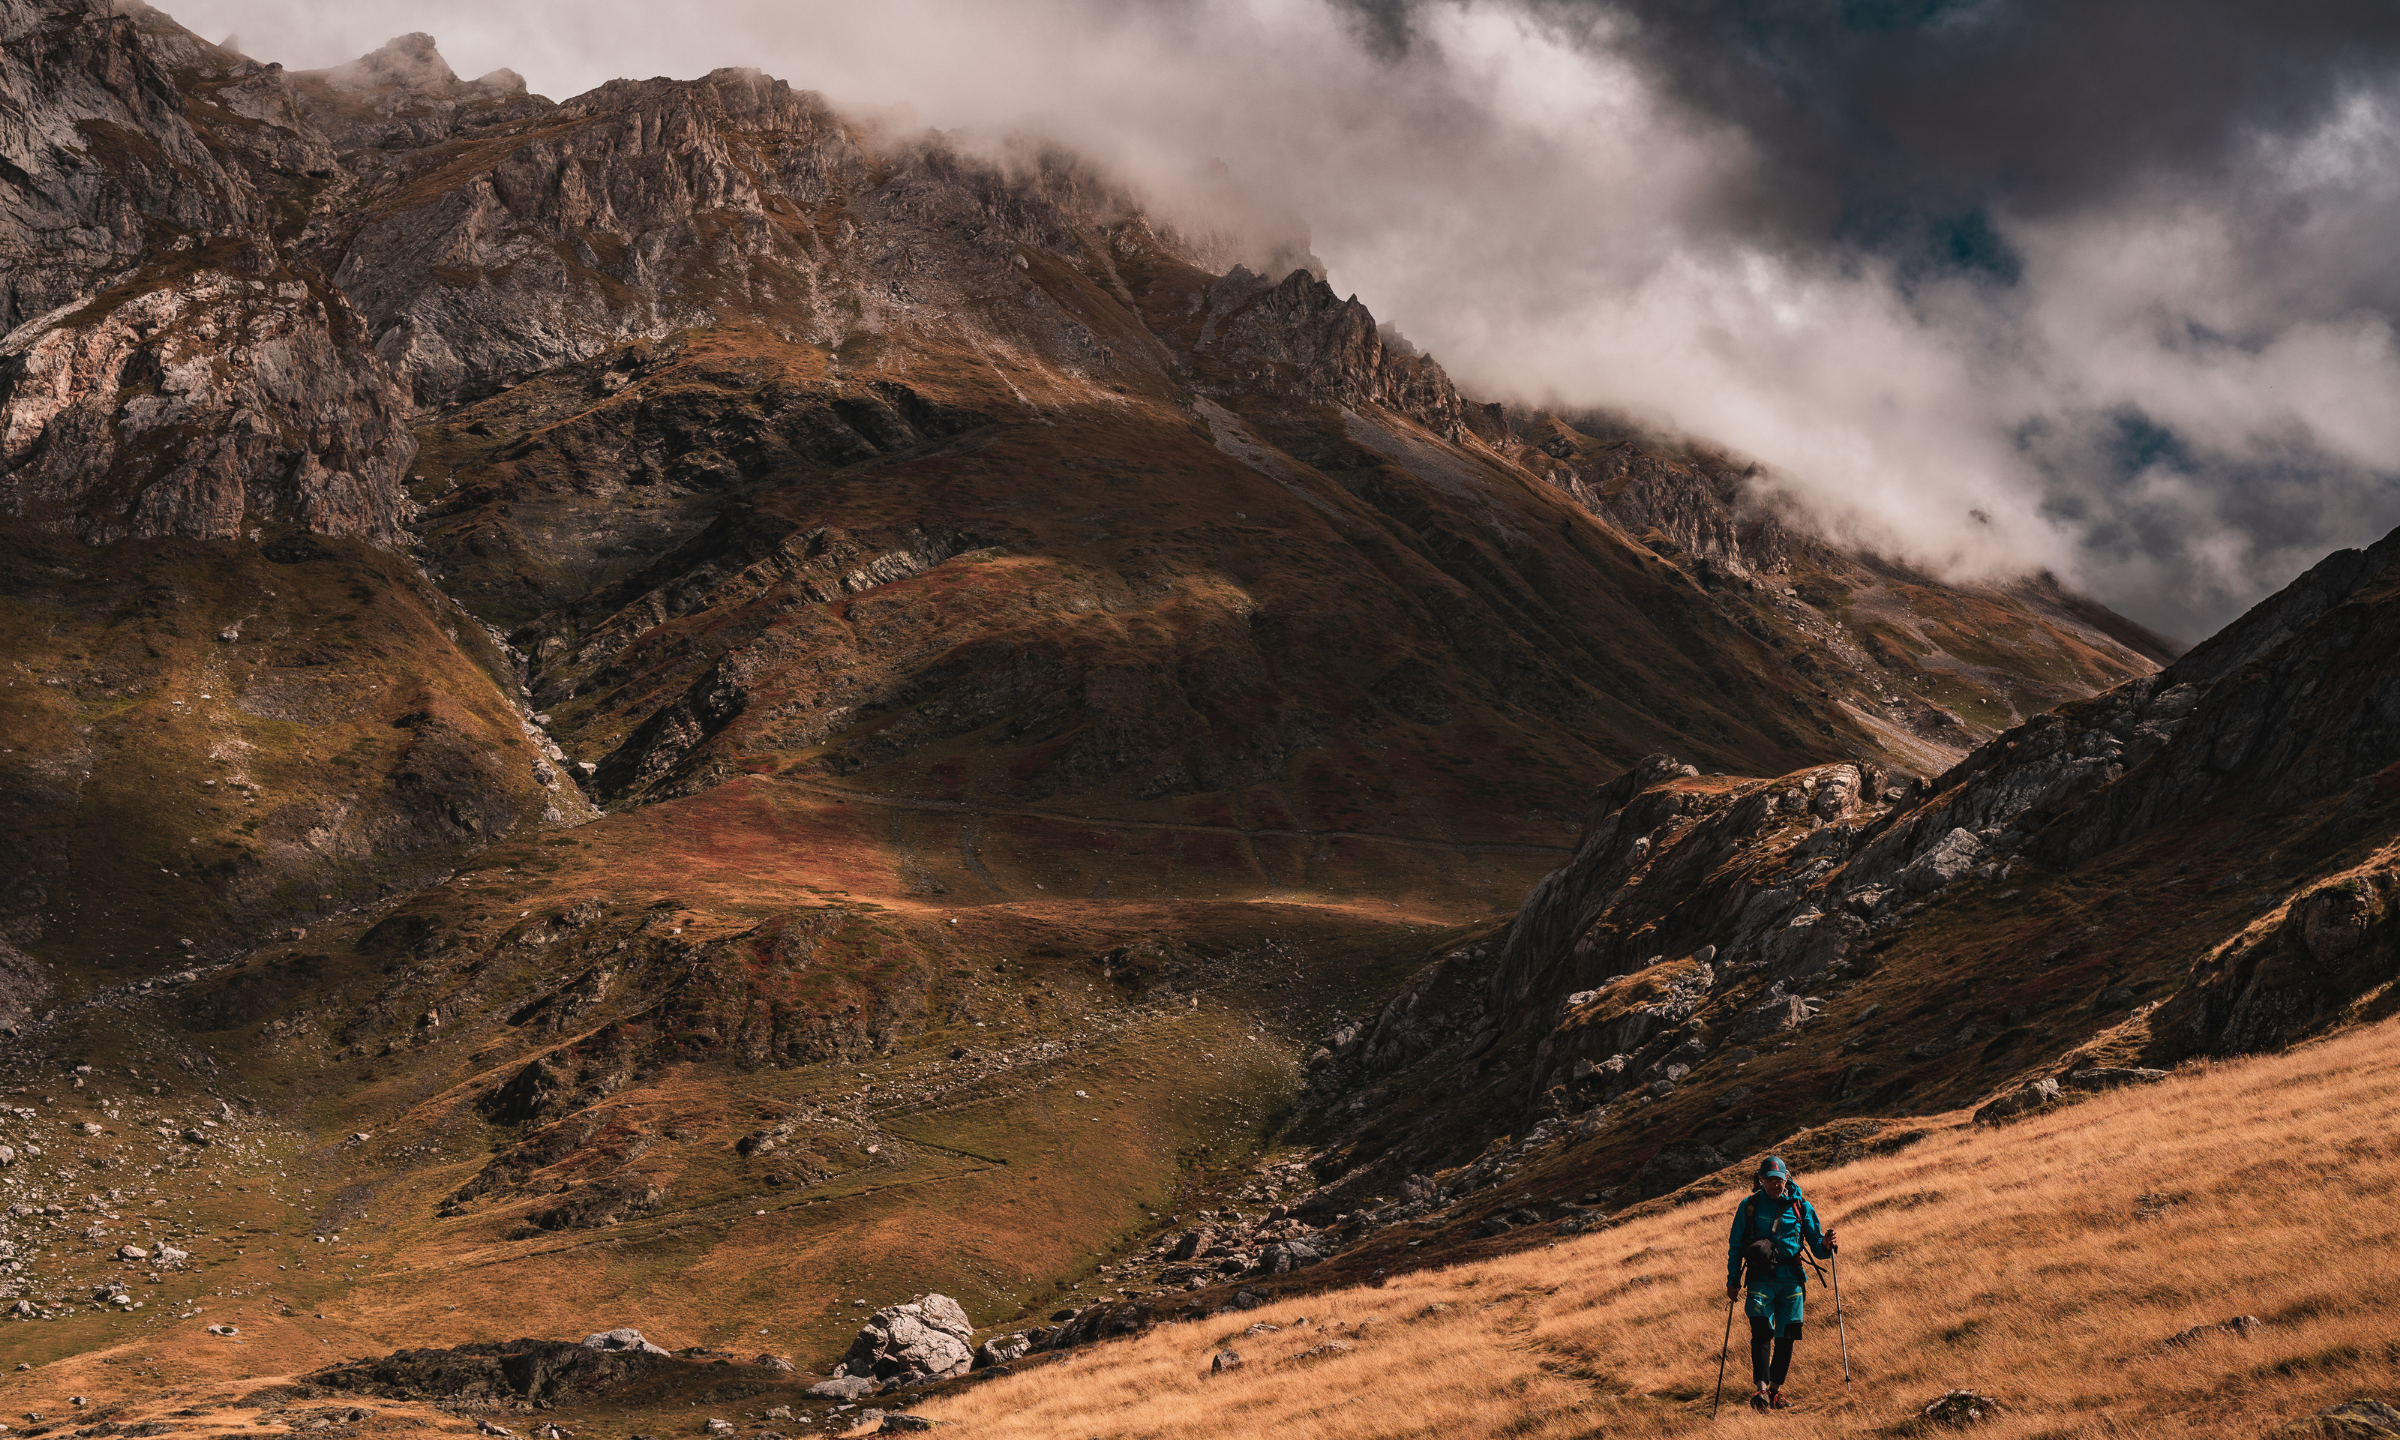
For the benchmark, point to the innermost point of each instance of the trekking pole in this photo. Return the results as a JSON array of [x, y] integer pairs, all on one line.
[[1838, 1327], [1728, 1350]]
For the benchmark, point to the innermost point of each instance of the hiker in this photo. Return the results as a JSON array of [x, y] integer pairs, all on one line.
[[1769, 1228]]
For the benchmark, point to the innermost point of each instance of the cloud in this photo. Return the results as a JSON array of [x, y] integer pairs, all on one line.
[[2114, 275]]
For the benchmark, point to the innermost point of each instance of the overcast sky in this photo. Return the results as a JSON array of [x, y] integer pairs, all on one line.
[[2105, 287]]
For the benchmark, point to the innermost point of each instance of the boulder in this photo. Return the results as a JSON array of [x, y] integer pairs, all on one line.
[[2113, 1077], [902, 1424], [132, 1252], [1225, 1360], [2030, 1096], [1772, 1016], [169, 1255], [1000, 1350], [2240, 1327], [623, 1338], [846, 1388], [543, 1371], [714, 1426], [907, 1344], [1951, 856], [1325, 1351], [1961, 1408], [1105, 1322], [2350, 1420], [775, 1362]]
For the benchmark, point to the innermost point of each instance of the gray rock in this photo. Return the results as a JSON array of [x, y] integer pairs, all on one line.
[[2112, 1077], [713, 1426], [2240, 1327], [2030, 1096], [775, 1362], [1773, 1016], [903, 1424], [1959, 1408], [1001, 1349], [923, 1339], [845, 1388], [2350, 1420], [1225, 1360], [223, 1330], [1290, 1255], [625, 1338], [1950, 857]]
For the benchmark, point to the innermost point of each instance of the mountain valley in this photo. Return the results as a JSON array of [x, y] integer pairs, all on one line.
[[676, 710]]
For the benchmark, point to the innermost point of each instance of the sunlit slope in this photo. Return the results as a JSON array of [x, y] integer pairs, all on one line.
[[2047, 1263]]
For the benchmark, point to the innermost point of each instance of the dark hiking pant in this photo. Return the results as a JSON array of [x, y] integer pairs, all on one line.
[[1770, 1353]]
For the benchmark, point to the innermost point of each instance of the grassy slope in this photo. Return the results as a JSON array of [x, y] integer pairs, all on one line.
[[2043, 1263], [164, 782]]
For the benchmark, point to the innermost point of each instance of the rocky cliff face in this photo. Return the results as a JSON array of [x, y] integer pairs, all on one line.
[[167, 370], [1721, 960]]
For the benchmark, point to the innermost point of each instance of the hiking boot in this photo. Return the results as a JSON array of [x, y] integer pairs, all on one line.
[[1776, 1400], [1758, 1401]]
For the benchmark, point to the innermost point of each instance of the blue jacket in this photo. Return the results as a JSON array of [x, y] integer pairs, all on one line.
[[1790, 1221]]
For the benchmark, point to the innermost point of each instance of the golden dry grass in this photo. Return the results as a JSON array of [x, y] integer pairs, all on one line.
[[2024, 1262]]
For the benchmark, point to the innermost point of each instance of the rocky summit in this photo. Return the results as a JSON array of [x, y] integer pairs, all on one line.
[[844, 761]]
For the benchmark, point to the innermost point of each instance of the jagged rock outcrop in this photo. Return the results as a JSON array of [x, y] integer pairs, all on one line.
[[543, 1371], [2294, 701], [1296, 336], [403, 95], [199, 405]]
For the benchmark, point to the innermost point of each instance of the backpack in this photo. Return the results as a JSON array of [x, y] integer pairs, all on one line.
[[1766, 1254]]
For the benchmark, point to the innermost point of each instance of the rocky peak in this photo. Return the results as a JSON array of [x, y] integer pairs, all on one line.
[[412, 67], [403, 94], [1302, 339]]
